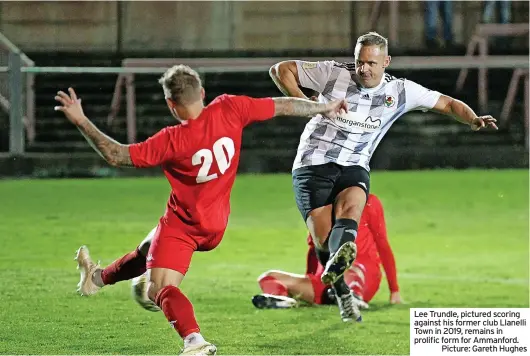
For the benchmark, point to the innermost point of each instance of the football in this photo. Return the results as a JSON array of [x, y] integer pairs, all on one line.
[[139, 293]]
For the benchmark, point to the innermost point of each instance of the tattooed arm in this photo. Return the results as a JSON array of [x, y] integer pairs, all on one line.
[[115, 153], [303, 107], [112, 151]]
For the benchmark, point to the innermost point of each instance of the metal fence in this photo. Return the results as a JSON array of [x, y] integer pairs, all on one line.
[[134, 66], [12, 57], [18, 88], [17, 92]]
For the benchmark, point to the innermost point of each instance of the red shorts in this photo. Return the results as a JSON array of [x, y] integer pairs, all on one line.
[[319, 288], [172, 248], [366, 289]]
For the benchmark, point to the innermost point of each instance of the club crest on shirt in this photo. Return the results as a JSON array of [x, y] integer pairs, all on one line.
[[309, 65], [389, 101]]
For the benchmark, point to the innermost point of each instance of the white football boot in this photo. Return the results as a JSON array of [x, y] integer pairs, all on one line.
[[349, 310], [86, 268], [270, 301], [361, 304], [203, 349]]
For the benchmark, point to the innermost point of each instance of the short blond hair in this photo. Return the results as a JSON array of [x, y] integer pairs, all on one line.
[[181, 84], [372, 39]]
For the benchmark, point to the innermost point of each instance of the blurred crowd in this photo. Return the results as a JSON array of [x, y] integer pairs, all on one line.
[[493, 12]]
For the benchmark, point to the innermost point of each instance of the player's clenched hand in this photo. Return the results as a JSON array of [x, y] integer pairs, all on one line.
[[483, 122], [395, 298], [335, 108], [70, 106]]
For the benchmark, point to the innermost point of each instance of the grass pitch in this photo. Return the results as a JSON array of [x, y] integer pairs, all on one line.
[[460, 239]]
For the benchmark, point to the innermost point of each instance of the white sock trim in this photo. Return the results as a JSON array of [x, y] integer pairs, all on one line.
[[193, 339]]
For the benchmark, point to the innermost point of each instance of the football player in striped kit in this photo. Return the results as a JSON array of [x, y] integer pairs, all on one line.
[[331, 176]]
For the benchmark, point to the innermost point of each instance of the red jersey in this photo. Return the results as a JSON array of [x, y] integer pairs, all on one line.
[[372, 241], [200, 159]]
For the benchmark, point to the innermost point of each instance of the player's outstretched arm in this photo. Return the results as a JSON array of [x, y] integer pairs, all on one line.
[[112, 151], [285, 76], [463, 113], [306, 108], [377, 225]]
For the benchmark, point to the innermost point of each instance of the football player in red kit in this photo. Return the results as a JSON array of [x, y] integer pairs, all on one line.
[[199, 159], [363, 277]]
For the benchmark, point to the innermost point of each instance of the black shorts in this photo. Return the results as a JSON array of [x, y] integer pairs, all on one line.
[[317, 186]]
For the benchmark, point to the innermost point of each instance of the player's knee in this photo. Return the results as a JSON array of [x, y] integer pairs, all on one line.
[[352, 213], [349, 210], [350, 203], [161, 278], [270, 274], [154, 287]]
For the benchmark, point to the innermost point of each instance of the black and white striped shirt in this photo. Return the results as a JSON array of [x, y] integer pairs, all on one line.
[[352, 139]]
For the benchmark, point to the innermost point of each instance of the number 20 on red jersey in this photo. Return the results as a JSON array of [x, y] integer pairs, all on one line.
[[223, 151]]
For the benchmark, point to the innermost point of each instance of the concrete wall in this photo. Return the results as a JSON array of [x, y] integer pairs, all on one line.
[[215, 25], [65, 25], [292, 24], [176, 25]]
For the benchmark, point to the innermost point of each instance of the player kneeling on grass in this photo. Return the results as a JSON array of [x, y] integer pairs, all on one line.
[[200, 159], [281, 288]]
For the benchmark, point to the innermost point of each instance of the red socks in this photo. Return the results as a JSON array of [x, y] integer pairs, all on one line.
[[178, 310], [271, 285], [129, 266]]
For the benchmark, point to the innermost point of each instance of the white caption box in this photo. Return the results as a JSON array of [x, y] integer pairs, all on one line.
[[469, 331]]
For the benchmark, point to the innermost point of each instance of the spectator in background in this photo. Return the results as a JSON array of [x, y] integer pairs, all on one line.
[[432, 9], [498, 12], [504, 10]]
